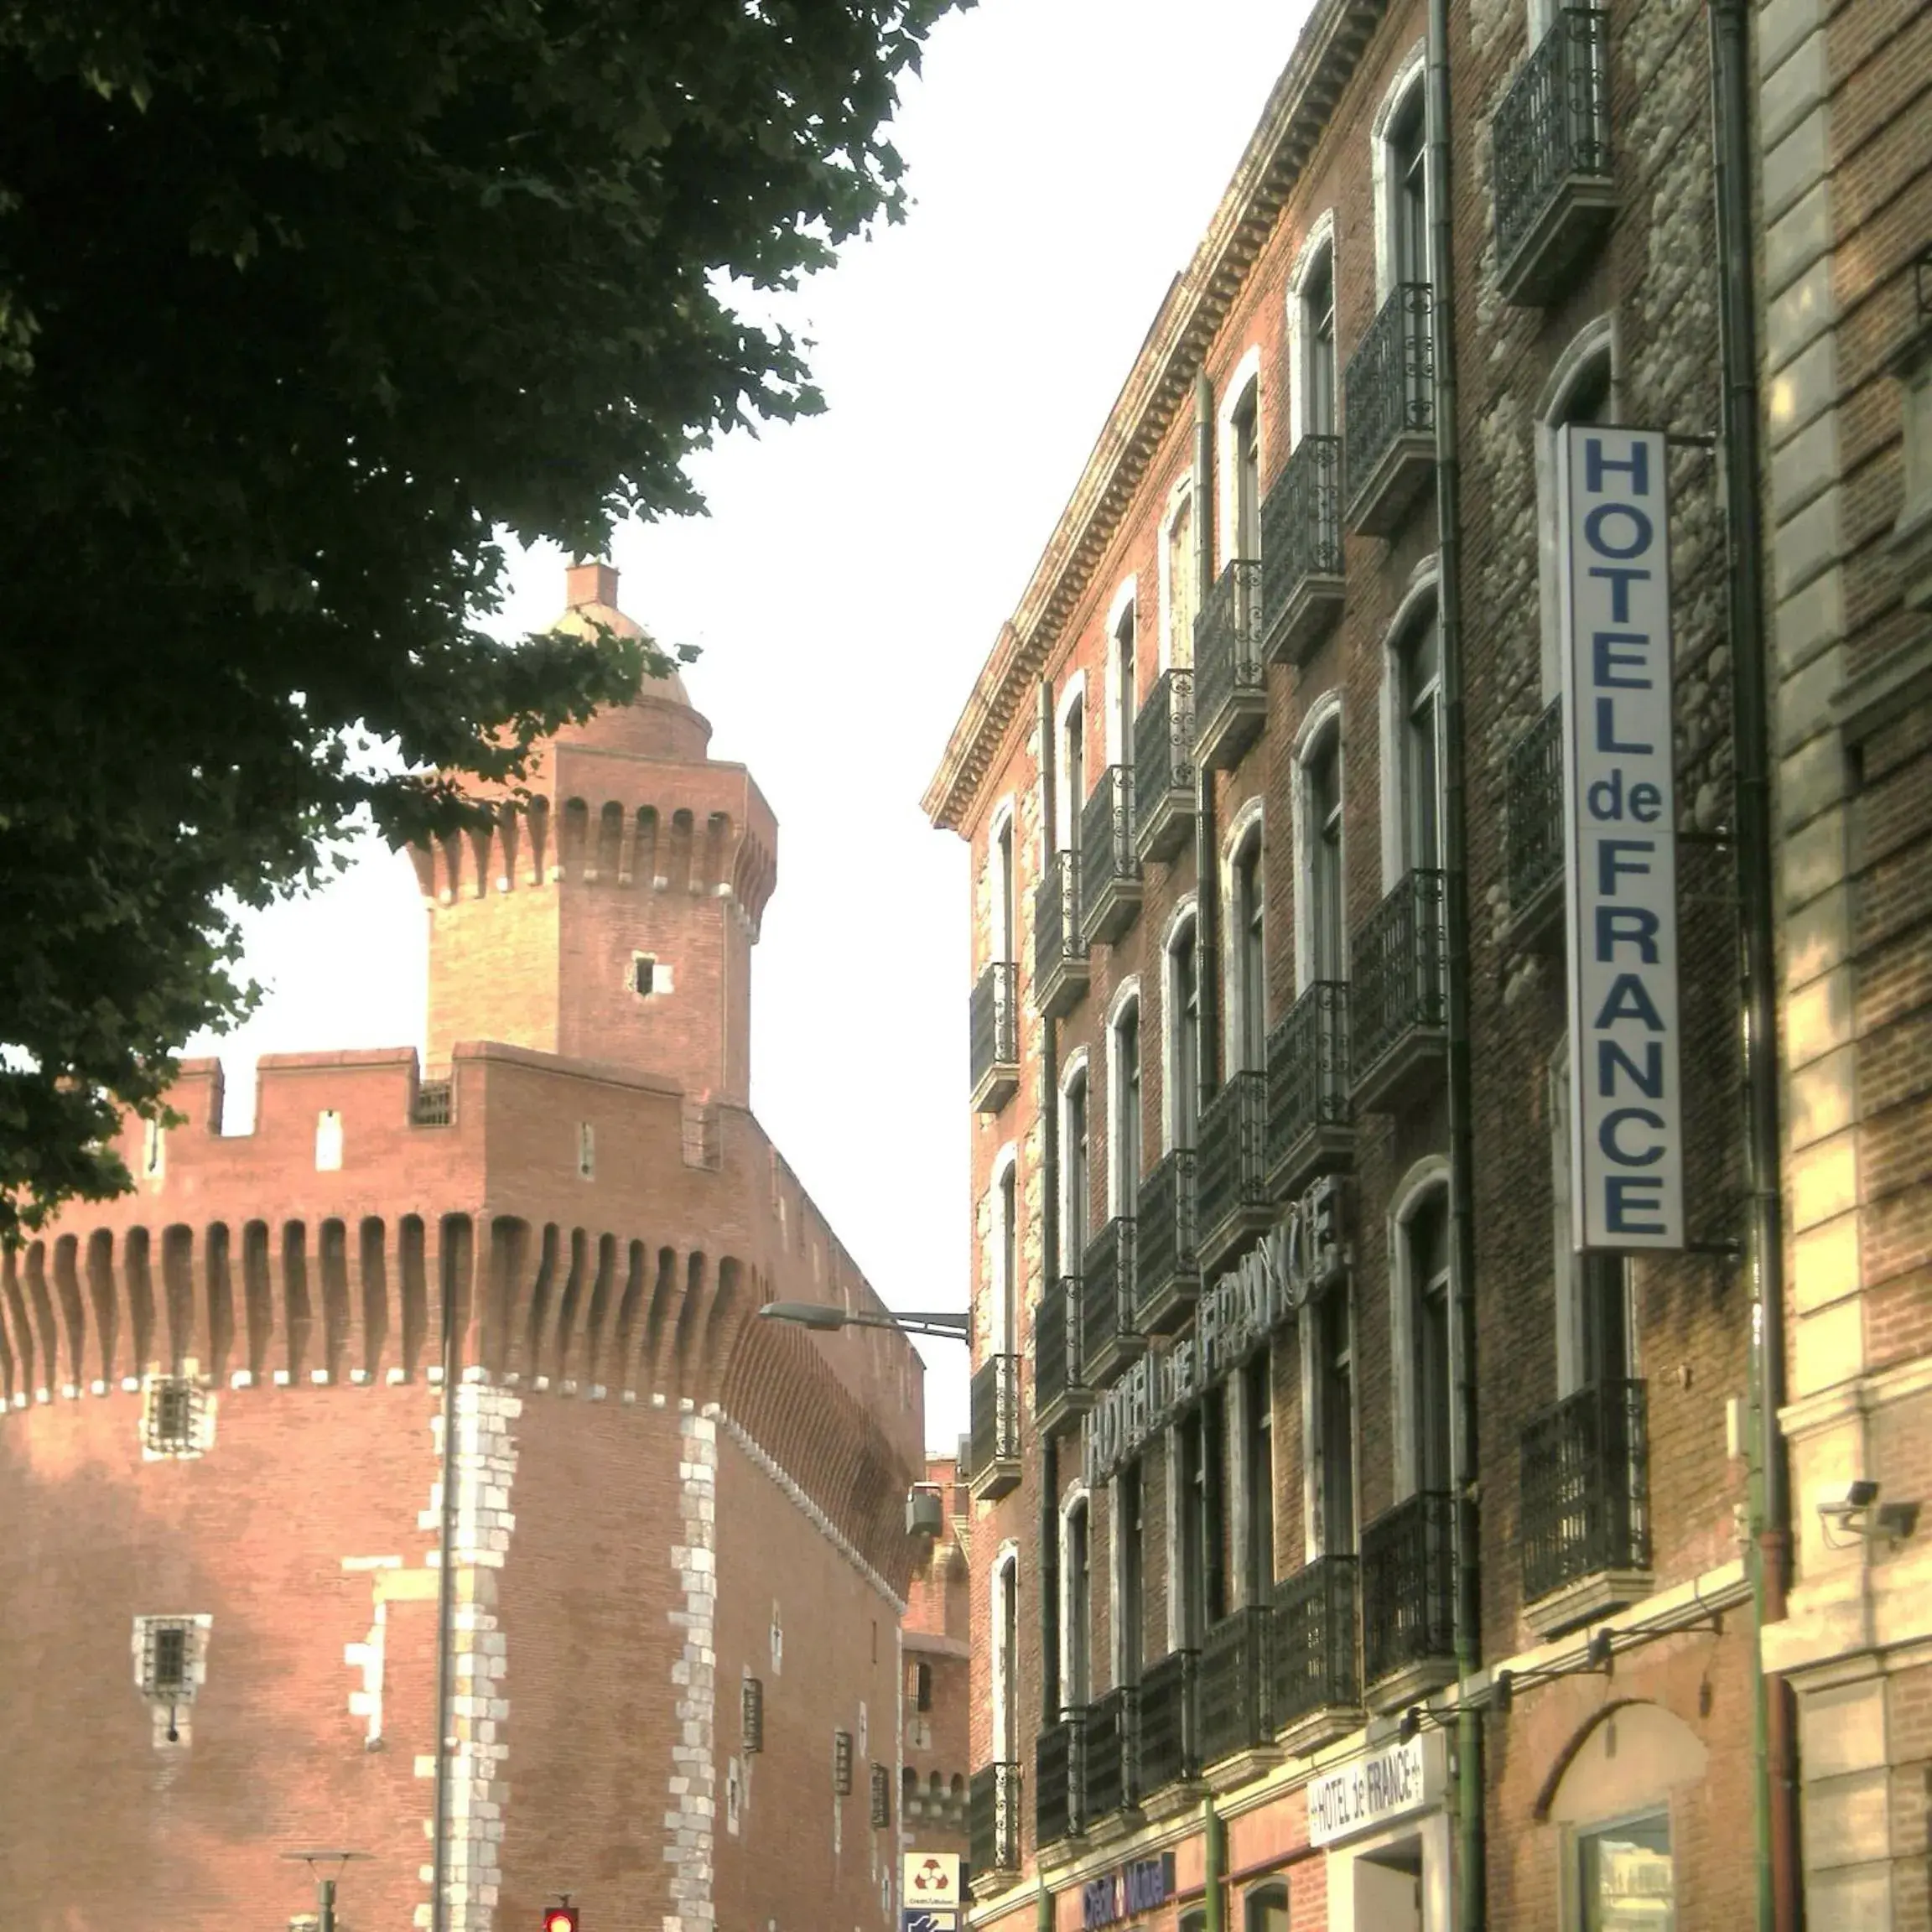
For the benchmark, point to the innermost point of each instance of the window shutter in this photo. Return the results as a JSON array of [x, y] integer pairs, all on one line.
[[751, 1707], [842, 1762], [881, 1798]]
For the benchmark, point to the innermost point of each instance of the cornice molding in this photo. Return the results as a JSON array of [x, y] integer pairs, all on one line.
[[1196, 304]]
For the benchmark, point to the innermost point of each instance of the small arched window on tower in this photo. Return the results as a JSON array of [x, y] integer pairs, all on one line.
[[649, 976], [586, 1151], [328, 1141]]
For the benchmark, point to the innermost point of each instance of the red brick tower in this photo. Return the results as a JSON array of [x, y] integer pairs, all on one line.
[[448, 1396], [614, 919]]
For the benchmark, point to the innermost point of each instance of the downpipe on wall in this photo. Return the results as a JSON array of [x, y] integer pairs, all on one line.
[[1471, 1873], [1780, 1889], [1050, 1269], [1206, 864]]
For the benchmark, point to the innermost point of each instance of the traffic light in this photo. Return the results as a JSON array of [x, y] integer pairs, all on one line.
[[560, 1919]]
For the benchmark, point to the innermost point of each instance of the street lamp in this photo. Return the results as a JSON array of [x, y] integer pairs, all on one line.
[[948, 1324], [325, 1887]]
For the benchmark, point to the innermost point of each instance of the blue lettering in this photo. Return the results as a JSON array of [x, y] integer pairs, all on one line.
[[1611, 653], [1610, 866], [1627, 1000], [1621, 578], [1596, 531], [1597, 466], [1615, 1150], [1606, 730], [1626, 926], [1648, 1079], [1625, 1195]]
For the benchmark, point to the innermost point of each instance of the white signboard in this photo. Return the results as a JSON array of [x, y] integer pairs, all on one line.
[[931, 1879], [1376, 1787], [1626, 1107]]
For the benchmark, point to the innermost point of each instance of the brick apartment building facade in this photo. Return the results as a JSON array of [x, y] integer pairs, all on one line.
[[656, 1583], [1327, 1571]]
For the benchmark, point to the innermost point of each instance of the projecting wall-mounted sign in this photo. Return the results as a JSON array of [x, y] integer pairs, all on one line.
[[1301, 1256], [1144, 1886], [1376, 1787], [1626, 1106]]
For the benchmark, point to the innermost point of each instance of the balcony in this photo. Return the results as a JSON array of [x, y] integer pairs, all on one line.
[[1408, 1600], [1549, 157], [1314, 1694], [994, 1036], [1059, 946], [1389, 402], [1232, 1702], [1166, 1760], [1535, 794], [1301, 584], [1109, 871], [992, 1825], [1164, 767], [1056, 1783], [1061, 1396], [1230, 678], [1167, 1268], [1232, 1200], [1110, 1337], [1397, 998], [995, 1437], [1310, 1128], [1107, 1797], [1585, 1528]]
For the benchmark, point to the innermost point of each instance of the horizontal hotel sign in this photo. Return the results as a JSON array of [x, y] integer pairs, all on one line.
[[1144, 1886], [1620, 817], [1377, 1787], [1300, 1256]]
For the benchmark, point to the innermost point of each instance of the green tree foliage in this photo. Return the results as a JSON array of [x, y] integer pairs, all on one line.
[[304, 303]]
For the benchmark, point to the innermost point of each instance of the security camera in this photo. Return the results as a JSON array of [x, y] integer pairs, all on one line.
[[1844, 1500]]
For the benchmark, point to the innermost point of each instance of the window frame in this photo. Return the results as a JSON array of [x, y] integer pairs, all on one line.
[[1239, 433], [1244, 969], [1124, 669], [1588, 359], [1181, 1032], [1317, 255], [1076, 1180], [1404, 104], [1180, 603], [1124, 1099]]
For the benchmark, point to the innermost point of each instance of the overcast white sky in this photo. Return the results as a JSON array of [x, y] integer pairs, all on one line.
[[1063, 156]]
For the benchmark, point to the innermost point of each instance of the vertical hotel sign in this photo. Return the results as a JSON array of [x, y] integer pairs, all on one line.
[[1626, 1109]]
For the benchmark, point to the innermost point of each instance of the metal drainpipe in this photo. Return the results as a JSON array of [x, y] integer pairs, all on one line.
[[1207, 867], [1779, 1900], [445, 1602], [1050, 1269], [1469, 1594], [1213, 1867]]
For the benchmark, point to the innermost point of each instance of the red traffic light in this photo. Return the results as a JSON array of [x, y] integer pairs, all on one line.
[[560, 1919]]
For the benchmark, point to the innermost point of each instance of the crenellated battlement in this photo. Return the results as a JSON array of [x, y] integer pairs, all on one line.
[[348, 1302]]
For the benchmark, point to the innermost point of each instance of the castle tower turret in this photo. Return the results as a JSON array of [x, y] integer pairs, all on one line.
[[613, 917]]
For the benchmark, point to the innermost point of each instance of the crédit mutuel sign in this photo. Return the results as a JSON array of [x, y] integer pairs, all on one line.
[[1301, 1255], [1626, 1106]]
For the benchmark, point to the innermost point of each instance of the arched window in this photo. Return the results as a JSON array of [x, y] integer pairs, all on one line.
[[1401, 159], [1123, 679], [1128, 1512], [1580, 389], [1073, 769], [1247, 954], [1076, 1606], [1005, 1256], [1594, 1342], [1318, 324], [1241, 461], [1005, 1673], [1265, 1908], [1177, 573], [1006, 926], [1076, 1164], [1423, 1365], [1325, 906], [1183, 1032], [1328, 1412], [1258, 1475], [1123, 1109], [1418, 671]]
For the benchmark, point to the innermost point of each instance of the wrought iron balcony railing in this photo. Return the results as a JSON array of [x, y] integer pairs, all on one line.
[[1060, 1396], [1397, 995], [1535, 795], [1389, 403], [1550, 157], [1587, 1494], [1232, 1197], [995, 1437], [1314, 1691], [1301, 578], [1164, 767], [1109, 868], [1109, 1335], [1106, 1753], [1230, 676], [994, 1034], [1233, 1699], [1166, 1731], [1059, 946], [1167, 1268], [1408, 1591], [1309, 1122], [992, 1818], [1056, 1782]]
